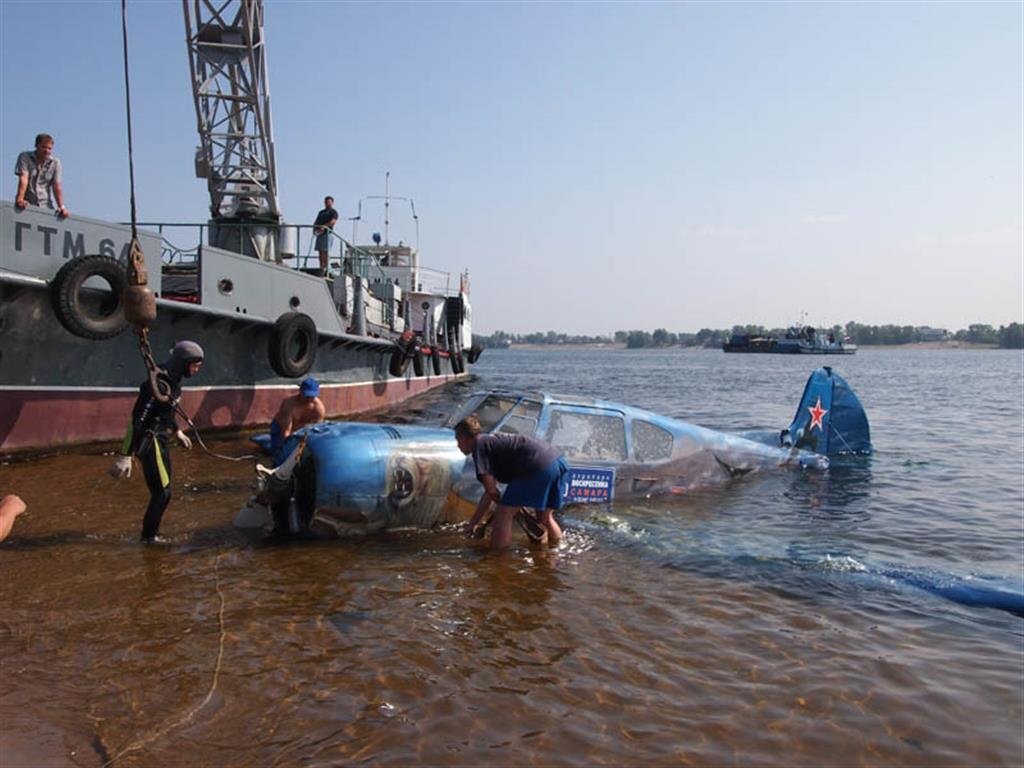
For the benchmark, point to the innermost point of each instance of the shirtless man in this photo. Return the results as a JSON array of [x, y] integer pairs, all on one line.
[[295, 412]]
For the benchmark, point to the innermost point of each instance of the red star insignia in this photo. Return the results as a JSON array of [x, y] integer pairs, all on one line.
[[816, 414]]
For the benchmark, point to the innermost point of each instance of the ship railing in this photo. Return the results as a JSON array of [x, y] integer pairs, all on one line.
[[436, 281], [357, 261], [299, 253], [343, 256]]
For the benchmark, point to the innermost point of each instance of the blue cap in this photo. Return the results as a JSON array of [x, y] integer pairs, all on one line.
[[309, 387]]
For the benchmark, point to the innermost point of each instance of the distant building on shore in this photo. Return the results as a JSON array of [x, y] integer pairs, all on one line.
[[932, 334]]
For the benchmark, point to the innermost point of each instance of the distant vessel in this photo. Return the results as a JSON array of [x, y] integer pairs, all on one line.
[[805, 340]]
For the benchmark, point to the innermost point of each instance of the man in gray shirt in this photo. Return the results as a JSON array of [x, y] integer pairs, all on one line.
[[39, 177], [534, 473]]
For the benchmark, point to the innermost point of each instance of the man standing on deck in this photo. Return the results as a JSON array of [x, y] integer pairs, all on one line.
[[152, 424], [325, 221], [533, 470], [39, 180], [295, 412]]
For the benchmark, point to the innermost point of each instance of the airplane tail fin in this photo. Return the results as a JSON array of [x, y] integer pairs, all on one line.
[[830, 419]]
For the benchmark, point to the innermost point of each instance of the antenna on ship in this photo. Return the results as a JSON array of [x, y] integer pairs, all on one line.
[[387, 209], [355, 221], [387, 204]]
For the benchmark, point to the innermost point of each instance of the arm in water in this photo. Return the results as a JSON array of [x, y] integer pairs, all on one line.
[[489, 497], [10, 507]]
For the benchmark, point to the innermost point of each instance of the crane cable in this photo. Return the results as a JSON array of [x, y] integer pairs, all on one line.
[[139, 300]]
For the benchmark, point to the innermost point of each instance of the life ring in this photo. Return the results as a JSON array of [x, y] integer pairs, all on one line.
[[435, 360], [88, 313], [474, 354], [417, 362], [293, 342]]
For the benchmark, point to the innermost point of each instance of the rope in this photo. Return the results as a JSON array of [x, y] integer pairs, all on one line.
[[189, 716], [199, 438], [128, 111], [139, 301]]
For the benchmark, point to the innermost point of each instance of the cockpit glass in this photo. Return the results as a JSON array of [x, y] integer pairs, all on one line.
[[491, 410], [523, 419], [588, 435], [651, 443]]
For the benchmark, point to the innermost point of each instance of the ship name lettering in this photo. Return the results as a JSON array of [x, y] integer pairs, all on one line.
[[74, 244], [19, 227], [47, 232]]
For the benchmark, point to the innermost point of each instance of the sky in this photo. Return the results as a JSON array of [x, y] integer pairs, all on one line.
[[594, 166]]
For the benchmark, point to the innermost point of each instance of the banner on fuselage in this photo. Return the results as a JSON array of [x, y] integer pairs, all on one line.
[[588, 485]]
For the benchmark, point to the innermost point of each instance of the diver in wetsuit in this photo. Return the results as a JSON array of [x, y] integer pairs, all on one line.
[[149, 432]]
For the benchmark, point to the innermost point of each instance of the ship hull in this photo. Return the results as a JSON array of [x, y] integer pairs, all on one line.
[[58, 390]]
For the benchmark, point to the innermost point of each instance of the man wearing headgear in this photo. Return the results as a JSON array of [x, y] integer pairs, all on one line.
[[152, 425], [295, 412]]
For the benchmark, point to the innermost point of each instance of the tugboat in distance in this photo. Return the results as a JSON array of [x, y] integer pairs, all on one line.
[[806, 340]]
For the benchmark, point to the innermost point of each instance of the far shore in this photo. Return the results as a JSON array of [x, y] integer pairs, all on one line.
[[616, 345]]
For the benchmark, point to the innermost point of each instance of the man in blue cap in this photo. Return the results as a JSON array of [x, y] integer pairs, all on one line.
[[295, 412]]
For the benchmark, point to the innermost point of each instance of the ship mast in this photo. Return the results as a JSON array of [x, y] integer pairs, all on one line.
[[236, 146]]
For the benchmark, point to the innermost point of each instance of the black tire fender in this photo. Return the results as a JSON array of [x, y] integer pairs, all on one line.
[[474, 354], [399, 362], [455, 349], [417, 362], [293, 342], [74, 312], [435, 360]]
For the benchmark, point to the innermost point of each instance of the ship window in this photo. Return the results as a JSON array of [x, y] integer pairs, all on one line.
[[651, 443], [588, 435], [523, 419]]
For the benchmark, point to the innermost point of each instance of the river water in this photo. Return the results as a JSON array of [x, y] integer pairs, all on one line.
[[796, 618]]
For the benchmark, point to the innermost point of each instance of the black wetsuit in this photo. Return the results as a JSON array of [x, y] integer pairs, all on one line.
[[148, 438]]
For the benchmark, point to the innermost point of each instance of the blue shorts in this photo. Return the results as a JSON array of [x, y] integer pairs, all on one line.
[[541, 490], [276, 443]]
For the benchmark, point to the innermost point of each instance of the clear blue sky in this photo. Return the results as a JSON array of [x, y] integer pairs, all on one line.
[[596, 166]]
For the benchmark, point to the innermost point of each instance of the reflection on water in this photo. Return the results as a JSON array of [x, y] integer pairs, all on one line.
[[783, 617]]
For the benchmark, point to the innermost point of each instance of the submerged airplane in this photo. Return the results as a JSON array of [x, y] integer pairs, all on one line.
[[348, 478]]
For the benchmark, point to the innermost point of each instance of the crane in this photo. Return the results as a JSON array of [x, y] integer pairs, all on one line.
[[227, 61]]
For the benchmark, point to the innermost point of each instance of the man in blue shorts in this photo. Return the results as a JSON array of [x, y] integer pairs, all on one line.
[[295, 412], [532, 470]]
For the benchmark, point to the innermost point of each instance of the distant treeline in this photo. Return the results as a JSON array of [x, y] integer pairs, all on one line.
[[1007, 336]]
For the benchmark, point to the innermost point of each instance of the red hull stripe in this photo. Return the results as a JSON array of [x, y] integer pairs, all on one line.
[[51, 417]]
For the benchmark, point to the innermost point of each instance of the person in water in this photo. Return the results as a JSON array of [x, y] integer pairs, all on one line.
[[10, 507], [532, 469], [152, 425], [295, 412]]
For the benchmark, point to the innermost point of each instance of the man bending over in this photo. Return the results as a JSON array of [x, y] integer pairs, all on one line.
[[533, 470]]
